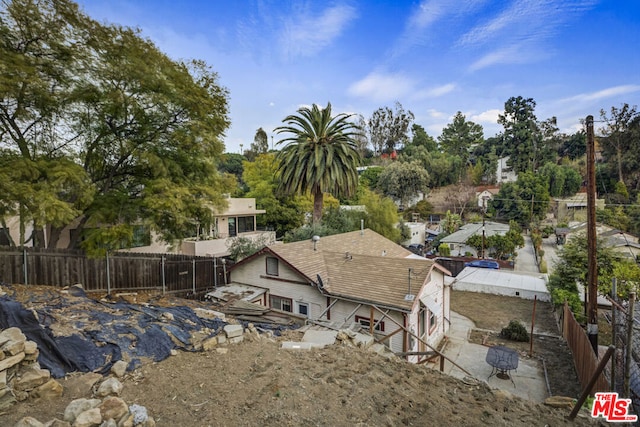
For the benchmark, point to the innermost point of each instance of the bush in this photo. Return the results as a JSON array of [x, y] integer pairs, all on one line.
[[515, 332], [543, 266]]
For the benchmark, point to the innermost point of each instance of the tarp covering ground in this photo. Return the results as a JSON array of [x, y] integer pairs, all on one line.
[[76, 333]]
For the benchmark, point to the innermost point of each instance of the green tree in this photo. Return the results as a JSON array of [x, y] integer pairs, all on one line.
[[451, 222], [459, 136], [381, 215], [573, 146], [320, 155], [522, 139], [422, 139], [283, 213], [40, 45], [401, 181], [260, 145], [242, 247], [618, 140], [388, 128], [524, 201]]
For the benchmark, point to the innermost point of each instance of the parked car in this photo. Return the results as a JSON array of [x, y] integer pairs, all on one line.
[[416, 248], [483, 263]]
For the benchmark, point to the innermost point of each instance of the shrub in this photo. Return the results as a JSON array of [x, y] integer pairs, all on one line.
[[543, 266], [515, 332]]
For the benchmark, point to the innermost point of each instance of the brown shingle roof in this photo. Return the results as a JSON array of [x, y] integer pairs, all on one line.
[[377, 279], [307, 257]]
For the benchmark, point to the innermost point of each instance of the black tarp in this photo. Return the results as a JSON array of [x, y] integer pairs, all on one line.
[[103, 333]]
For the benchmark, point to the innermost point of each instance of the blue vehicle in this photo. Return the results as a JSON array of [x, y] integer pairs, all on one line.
[[483, 263]]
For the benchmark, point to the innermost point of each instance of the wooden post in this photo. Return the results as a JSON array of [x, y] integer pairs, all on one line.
[[193, 276], [592, 272], [614, 292], [108, 276], [164, 279], [24, 265], [629, 345], [533, 321]]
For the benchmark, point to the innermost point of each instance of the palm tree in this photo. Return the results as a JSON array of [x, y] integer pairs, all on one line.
[[320, 156]]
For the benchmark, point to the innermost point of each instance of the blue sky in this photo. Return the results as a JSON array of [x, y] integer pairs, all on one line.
[[436, 57]]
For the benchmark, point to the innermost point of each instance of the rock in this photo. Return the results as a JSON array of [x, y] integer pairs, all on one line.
[[149, 423], [32, 357], [57, 423], [3, 379], [31, 379], [209, 344], [167, 316], [222, 350], [49, 390], [236, 340], [139, 414], [30, 347], [109, 423], [80, 386], [119, 368], [78, 406], [21, 396], [88, 418], [174, 352], [11, 361], [7, 401], [29, 422], [502, 394], [126, 422], [232, 331], [560, 402], [114, 408], [11, 334], [13, 347], [110, 387], [222, 339]]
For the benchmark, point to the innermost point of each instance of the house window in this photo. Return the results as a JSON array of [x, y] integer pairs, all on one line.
[[280, 303], [366, 322], [303, 309], [232, 227], [245, 224], [433, 321], [141, 236], [4, 237], [272, 266]]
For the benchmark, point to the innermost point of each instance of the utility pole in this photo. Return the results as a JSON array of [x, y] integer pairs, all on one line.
[[484, 214], [592, 272]]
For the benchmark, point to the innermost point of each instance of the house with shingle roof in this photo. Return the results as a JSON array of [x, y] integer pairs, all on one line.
[[358, 277]]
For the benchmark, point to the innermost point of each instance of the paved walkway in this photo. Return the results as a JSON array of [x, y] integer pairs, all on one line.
[[529, 378]]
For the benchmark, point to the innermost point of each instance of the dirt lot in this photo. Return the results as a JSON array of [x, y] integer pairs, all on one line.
[[257, 383]]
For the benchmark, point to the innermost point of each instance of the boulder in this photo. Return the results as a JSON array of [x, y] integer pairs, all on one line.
[[110, 387], [119, 368], [80, 386], [29, 422], [232, 331], [88, 418], [113, 408], [49, 390], [11, 361], [11, 334], [31, 379], [30, 347], [57, 423], [78, 406], [209, 344]]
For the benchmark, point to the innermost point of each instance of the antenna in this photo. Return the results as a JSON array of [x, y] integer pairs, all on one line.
[[409, 296], [320, 284]]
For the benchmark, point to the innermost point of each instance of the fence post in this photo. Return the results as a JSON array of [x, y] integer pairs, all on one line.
[[629, 346], [164, 280], [24, 265], [193, 276], [108, 276], [614, 292], [215, 272]]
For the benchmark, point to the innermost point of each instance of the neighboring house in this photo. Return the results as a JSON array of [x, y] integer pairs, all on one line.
[[458, 241], [357, 277], [238, 219], [573, 209], [418, 233], [504, 172], [626, 244], [484, 194], [500, 282]]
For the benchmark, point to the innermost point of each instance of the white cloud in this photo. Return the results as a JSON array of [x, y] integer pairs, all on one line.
[[488, 116], [305, 35], [382, 87], [435, 92], [602, 94]]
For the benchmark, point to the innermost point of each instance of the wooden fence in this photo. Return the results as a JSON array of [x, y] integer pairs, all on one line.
[[584, 357], [118, 272]]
